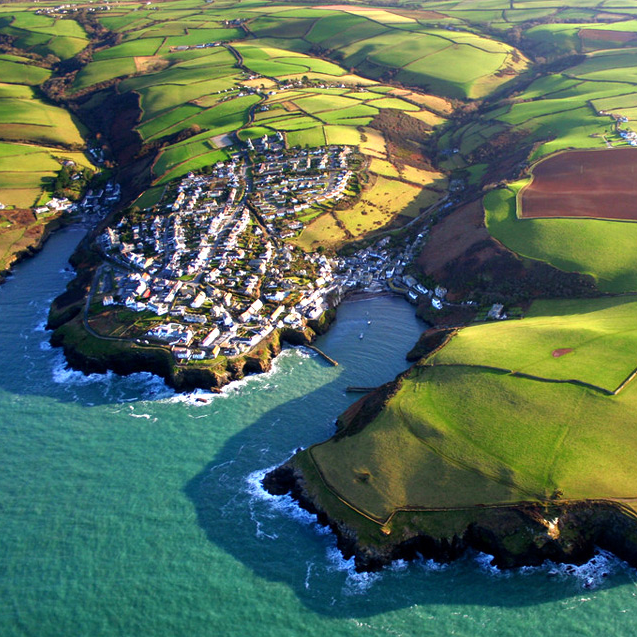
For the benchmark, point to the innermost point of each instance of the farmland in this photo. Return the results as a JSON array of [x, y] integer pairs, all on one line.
[[44, 35], [528, 111], [464, 430], [35, 136], [573, 245], [598, 184], [460, 436], [222, 77], [591, 341]]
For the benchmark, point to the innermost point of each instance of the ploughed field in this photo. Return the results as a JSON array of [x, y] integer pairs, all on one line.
[[599, 184]]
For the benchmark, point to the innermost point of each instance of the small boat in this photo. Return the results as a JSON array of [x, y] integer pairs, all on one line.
[[369, 322], [360, 335]]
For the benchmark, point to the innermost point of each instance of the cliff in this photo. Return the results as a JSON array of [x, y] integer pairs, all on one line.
[[33, 240], [89, 354], [392, 486], [523, 535]]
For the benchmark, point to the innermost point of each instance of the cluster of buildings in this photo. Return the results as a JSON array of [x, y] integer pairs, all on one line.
[[209, 265], [383, 266], [64, 9], [629, 135], [626, 134], [288, 182], [215, 277], [93, 207]]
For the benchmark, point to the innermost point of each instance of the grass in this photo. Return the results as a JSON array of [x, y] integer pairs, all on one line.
[[143, 47], [18, 91], [150, 197], [601, 333], [102, 71], [462, 436], [423, 177], [383, 168], [382, 203], [325, 28], [196, 163], [342, 135], [321, 103], [358, 111], [161, 124], [322, 231], [393, 102], [308, 138], [17, 73], [573, 245], [173, 155], [163, 97], [374, 144], [36, 122]]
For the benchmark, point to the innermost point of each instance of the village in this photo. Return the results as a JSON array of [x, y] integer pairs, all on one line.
[[213, 266]]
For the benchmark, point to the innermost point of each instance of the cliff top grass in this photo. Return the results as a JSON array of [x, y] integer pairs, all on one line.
[[459, 437], [592, 341]]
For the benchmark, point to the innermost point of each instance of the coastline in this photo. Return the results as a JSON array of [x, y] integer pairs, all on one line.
[[515, 536], [88, 353], [126, 358], [34, 247]]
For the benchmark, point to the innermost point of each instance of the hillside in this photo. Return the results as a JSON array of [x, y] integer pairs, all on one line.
[[269, 157]]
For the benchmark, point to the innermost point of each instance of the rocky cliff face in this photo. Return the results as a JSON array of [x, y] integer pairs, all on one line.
[[524, 535], [91, 355]]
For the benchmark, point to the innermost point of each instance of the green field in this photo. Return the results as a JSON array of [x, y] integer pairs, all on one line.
[[573, 245], [104, 70], [18, 73], [507, 411], [45, 35], [602, 334], [461, 435]]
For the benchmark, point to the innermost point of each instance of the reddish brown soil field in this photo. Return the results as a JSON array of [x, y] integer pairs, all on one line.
[[560, 352], [607, 36], [590, 183], [452, 237]]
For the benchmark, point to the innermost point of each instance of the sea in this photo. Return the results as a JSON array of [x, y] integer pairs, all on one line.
[[128, 510]]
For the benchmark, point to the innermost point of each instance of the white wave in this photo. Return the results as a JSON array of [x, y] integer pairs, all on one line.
[[64, 375], [200, 397], [281, 503], [589, 575], [485, 560], [432, 566], [196, 398], [307, 575], [41, 326], [145, 385], [399, 565], [355, 583], [132, 414], [45, 346]]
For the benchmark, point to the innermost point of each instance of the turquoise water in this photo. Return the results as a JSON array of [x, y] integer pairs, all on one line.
[[127, 510]]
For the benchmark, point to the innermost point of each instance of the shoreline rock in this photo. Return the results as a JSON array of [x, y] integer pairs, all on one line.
[[527, 534], [35, 248], [125, 357]]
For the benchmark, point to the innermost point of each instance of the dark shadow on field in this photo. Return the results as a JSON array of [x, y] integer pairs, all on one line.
[[280, 548]]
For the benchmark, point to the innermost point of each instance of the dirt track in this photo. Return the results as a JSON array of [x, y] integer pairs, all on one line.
[[594, 183]]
